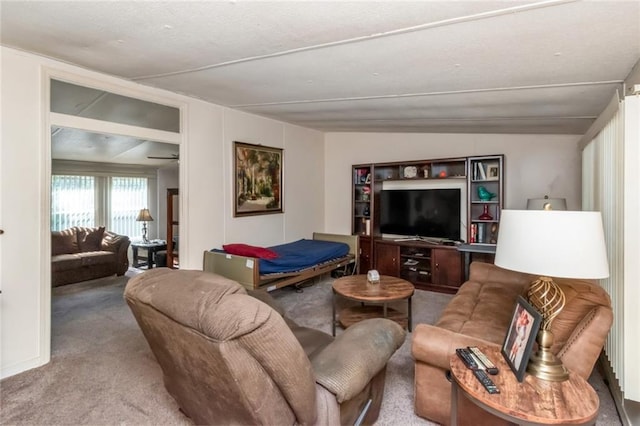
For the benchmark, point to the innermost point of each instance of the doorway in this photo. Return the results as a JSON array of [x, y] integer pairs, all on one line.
[[124, 150]]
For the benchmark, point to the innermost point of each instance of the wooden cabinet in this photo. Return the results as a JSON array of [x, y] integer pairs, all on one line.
[[424, 262], [366, 252], [446, 269], [426, 266], [387, 258]]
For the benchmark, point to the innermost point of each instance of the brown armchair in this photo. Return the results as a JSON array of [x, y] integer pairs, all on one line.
[[232, 358]]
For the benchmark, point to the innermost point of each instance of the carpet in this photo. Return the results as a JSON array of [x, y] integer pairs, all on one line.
[[103, 373]]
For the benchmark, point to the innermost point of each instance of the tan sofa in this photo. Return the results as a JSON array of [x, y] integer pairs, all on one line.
[[480, 314], [80, 254], [228, 357]]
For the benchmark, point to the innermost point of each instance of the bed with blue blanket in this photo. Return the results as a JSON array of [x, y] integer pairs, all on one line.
[[295, 263]]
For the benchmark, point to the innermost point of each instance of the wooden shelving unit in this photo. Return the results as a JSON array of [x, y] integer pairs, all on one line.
[[485, 198], [480, 175]]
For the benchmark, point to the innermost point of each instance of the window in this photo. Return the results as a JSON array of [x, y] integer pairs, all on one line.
[[128, 196], [112, 201], [72, 202]]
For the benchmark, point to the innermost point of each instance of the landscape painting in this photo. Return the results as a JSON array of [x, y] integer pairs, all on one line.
[[258, 179]]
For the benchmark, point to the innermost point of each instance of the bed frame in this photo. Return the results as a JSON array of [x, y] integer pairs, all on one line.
[[246, 270]]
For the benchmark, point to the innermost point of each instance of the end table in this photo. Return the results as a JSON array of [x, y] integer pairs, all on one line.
[[532, 402], [151, 247]]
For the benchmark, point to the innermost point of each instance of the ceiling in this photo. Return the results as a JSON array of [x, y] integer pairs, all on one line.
[[383, 66]]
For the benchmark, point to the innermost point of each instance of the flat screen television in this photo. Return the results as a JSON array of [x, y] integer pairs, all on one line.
[[429, 213]]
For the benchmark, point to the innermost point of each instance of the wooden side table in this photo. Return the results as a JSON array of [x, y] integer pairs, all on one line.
[[357, 288], [532, 402]]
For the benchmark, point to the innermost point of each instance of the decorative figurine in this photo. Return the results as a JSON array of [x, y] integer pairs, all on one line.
[[485, 195]]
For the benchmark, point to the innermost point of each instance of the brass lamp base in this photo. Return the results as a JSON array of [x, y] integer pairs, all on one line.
[[544, 364]]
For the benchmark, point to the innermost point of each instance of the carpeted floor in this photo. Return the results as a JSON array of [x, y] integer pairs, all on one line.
[[103, 373]]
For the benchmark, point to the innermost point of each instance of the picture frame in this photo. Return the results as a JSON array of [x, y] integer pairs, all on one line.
[[258, 184], [493, 172], [522, 332]]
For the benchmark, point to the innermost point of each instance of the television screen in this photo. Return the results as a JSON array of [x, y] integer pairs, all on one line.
[[433, 213]]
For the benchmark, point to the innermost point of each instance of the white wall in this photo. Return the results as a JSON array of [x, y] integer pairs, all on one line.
[[205, 192], [535, 165]]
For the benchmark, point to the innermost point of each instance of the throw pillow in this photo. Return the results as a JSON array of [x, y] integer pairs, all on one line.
[[64, 242], [251, 251], [90, 239]]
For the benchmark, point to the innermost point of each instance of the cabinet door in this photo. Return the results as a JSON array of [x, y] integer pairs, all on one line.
[[388, 259], [365, 256], [446, 267]]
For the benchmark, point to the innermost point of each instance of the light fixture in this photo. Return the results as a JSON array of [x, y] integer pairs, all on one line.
[[144, 216], [561, 244], [547, 203]]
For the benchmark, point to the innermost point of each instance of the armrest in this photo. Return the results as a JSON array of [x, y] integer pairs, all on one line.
[[113, 242], [434, 345], [347, 364], [119, 244]]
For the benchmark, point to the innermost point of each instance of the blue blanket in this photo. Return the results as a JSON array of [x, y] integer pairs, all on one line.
[[301, 254]]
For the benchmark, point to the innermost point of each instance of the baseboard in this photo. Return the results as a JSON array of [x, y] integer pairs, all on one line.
[[12, 370], [629, 411]]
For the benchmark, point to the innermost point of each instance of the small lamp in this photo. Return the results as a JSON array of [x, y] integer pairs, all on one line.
[[562, 244], [144, 216], [547, 203]]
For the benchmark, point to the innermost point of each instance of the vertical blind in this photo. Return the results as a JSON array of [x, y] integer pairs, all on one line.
[[603, 190], [72, 202], [95, 200], [128, 196]]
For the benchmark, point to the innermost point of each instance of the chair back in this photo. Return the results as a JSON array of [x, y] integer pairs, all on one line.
[[226, 357]]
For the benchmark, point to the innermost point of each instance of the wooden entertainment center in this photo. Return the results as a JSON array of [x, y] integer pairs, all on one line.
[[428, 263]]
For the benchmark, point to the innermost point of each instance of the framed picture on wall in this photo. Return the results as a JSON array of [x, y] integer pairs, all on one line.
[[522, 332], [257, 180]]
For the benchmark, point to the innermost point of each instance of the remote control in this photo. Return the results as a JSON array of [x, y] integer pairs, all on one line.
[[489, 366], [466, 357], [488, 384]]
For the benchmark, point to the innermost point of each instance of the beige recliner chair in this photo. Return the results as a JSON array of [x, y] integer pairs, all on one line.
[[232, 358]]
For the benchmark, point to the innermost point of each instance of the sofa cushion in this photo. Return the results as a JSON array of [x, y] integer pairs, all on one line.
[[480, 310], [64, 242], [65, 262], [90, 239], [97, 257]]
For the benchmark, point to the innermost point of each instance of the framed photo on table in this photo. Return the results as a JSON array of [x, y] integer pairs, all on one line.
[[257, 180], [520, 337]]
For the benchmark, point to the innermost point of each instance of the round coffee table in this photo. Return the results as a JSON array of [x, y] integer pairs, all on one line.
[[357, 288]]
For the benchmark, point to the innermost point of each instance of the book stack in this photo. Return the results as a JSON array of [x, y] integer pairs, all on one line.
[[479, 233]]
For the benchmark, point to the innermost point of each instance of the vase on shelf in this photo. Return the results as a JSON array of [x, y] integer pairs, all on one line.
[[366, 211], [485, 214]]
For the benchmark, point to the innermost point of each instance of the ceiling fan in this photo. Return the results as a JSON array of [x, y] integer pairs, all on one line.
[[165, 157]]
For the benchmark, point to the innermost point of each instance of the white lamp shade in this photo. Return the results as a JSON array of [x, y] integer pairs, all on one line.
[[562, 244]]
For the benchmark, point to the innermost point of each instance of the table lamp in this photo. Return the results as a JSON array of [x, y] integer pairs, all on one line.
[[549, 243], [547, 203], [144, 216]]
